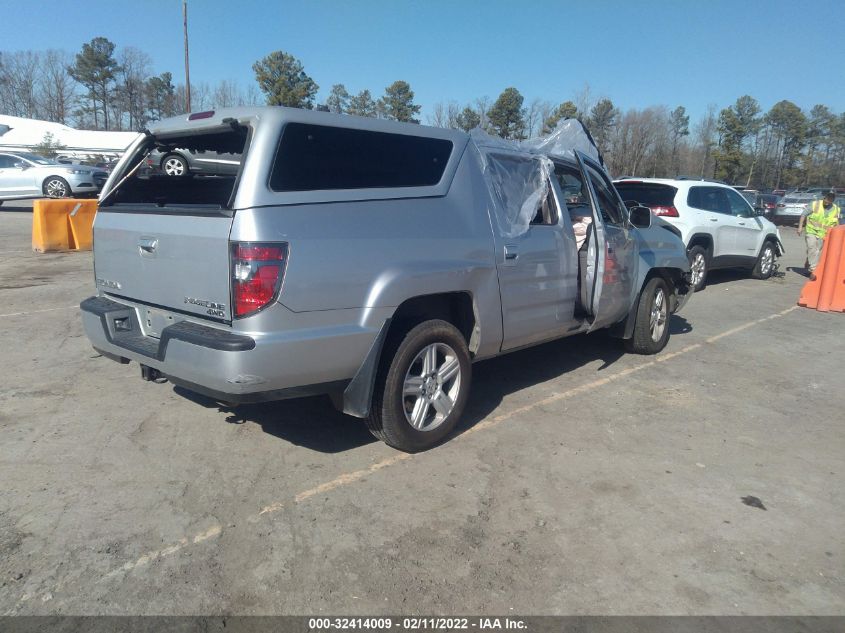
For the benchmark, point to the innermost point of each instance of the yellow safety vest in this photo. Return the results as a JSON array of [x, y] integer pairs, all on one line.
[[820, 221]]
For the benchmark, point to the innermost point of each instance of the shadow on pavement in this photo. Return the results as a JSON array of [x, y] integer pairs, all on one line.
[[315, 424]]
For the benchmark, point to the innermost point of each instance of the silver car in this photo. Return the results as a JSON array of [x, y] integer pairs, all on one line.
[[24, 175], [369, 260], [791, 206]]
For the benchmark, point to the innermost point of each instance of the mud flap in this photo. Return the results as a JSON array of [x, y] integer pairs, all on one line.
[[358, 395]]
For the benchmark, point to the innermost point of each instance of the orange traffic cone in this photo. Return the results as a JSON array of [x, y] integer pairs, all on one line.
[[827, 292]]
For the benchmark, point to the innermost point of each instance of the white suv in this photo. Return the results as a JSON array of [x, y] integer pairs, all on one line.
[[718, 226]]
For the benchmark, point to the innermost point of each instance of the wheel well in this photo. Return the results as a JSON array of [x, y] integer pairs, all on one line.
[[705, 241], [176, 154], [669, 275], [453, 307]]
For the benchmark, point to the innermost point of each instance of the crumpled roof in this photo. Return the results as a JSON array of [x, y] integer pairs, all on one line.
[[517, 172], [568, 136]]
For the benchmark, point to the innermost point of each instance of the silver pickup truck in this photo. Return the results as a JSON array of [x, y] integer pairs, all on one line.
[[369, 260]]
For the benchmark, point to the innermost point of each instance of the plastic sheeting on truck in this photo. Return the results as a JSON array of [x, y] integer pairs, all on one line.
[[517, 172]]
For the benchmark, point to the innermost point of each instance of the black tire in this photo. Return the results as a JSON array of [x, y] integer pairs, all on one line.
[[56, 187], [647, 338], [698, 256], [175, 166], [401, 359], [765, 264]]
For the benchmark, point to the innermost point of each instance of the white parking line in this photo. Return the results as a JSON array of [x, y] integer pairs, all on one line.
[[351, 477], [11, 314]]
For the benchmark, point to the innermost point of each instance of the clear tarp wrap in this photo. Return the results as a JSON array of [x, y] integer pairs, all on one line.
[[518, 181], [568, 136]]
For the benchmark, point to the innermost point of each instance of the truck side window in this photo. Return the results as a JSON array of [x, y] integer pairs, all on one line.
[[610, 207], [572, 186], [547, 212]]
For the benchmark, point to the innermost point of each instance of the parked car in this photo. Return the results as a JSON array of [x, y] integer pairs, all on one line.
[[25, 175], [840, 202], [767, 203], [367, 259], [718, 226], [180, 162], [791, 206]]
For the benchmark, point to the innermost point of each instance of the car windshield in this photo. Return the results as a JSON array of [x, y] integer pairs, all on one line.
[[38, 160]]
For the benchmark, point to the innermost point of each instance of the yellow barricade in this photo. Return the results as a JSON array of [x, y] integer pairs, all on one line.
[[63, 224]]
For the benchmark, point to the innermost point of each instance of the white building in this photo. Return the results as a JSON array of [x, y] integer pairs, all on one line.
[[17, 134]]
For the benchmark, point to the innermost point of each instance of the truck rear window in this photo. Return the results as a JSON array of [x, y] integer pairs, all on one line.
[[319, 157], [198, 184], [648, 194]]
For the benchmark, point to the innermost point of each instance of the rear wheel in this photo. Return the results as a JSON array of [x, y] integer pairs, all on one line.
[[651, 328], [765, 265], [56, 187], [422, 387], [174, 165], [698, 267]]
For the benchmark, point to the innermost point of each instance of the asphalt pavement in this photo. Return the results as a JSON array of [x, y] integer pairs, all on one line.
[[706, 480]]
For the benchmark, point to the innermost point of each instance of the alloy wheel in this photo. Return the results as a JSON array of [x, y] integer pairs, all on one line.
[[56, 188], [697, 268], [767, 259], [174, 166], [431, 387], [659, 315]]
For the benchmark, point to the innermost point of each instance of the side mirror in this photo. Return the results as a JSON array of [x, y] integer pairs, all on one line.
[[640, 216], [22, 165]]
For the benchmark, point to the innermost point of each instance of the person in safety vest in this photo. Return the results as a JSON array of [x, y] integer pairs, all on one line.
[[819, 217]]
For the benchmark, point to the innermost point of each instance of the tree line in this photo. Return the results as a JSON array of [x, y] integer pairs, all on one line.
[[104, 88]]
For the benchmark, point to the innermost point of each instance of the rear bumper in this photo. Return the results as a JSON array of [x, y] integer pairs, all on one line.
[[226, 365]]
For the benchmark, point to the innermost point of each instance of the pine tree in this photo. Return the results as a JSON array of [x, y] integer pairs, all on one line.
[[507, 116], [397, 103], [283, 79]]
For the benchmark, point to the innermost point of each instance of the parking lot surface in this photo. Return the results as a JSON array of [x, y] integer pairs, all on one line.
[[706, 480]]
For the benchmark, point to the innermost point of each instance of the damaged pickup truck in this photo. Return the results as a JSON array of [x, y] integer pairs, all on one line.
[[369, 260]]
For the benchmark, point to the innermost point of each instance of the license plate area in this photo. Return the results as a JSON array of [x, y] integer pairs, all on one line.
[[153, 321]]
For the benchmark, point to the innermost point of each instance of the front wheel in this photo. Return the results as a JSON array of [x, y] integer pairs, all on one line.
[[651, 328], [698, 267], [765, 266], [422, 387], [56, 187]]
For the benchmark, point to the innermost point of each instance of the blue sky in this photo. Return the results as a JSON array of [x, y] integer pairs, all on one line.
[[638, 53]]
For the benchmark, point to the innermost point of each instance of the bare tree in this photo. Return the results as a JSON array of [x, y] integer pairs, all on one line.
[[582, 99], [482, 106], [19, 78], [225, 94], [535, 116], [57, 90], [132, 75], [705, 135]]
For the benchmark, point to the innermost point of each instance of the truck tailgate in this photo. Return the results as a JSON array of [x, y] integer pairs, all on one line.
[[174, 260]]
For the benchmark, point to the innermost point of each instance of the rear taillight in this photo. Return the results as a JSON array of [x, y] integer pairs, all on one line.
[[769, 205], [666, 212], [257, 273]]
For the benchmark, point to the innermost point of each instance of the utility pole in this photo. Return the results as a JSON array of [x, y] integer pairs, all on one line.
[[187, 66]]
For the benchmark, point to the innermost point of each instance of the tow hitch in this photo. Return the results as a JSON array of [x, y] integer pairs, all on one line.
[[151, 375]]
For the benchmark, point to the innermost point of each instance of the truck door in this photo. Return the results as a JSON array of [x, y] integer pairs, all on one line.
[[615, 253], [537, 277]]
